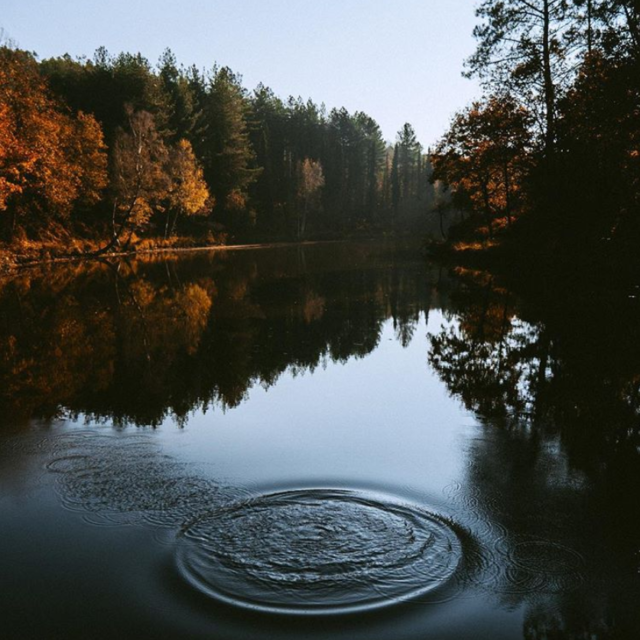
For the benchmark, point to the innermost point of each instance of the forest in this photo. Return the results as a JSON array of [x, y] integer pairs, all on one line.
[[545, 167], [113, 153]]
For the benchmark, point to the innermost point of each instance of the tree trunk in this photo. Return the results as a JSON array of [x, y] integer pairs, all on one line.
[[13, 219], [441, 216], [175, 221], [589, 28], [507, 194], [116, 233], [633, 24], [549, 89], [487, 208], [303, 222]]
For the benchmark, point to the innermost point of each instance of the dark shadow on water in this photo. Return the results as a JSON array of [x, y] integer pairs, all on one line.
[[554, 375]]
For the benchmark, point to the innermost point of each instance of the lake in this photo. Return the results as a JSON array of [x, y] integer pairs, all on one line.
[[333, 440]]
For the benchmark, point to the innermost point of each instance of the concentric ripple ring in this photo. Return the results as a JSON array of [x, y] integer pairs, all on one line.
[[318, 551]]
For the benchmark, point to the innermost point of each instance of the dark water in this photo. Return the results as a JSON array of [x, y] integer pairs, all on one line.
[[335, 441]]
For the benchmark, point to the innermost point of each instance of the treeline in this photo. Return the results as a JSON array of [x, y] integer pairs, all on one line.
[[549, 158], [118, 149]]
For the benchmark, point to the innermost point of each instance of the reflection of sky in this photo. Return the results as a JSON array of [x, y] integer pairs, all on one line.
[[382, 420], [397, 61]]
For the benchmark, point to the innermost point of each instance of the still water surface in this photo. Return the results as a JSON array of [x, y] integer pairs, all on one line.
[[330, 441]]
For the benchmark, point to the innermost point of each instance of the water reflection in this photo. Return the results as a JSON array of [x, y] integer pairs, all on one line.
[[541, 521], [134, 343], [556, 380], [563, 369]]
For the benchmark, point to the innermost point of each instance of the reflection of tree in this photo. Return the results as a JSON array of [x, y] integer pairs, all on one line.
[[493, 361], [556, 375], [528, 487], [94, 339], [568, 364], [137, 342]]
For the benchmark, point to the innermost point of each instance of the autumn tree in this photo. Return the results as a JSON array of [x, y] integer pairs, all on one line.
[[188, 193], [49, 159], [484, 156], [88, 150], [139, 182], [310, 181]]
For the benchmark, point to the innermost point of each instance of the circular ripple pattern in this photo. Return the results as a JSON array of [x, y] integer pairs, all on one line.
[[318, 551], [127, 479], [543, 566]]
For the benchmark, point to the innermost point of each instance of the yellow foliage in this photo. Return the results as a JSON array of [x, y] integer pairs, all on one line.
[[189, 192]]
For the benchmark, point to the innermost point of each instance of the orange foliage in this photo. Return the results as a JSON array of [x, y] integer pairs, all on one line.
[[484, 157], [49, 160]]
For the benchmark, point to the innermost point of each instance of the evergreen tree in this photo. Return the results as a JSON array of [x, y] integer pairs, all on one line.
[[182, 111], [395, 181], [269, 140], [408, 154], [224, 147], [521, 47]]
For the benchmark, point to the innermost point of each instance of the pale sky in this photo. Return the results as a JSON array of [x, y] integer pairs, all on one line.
[[397, 60]]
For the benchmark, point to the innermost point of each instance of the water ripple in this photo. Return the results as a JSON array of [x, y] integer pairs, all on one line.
[[128, 479], [318, 550]]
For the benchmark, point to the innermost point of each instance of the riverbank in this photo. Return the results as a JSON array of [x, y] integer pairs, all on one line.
[[27, 253], [554, 272], [33, 254]]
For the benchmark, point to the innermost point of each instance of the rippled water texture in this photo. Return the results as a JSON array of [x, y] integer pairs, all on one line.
[[318, 551], [127, 479], [307, 550]]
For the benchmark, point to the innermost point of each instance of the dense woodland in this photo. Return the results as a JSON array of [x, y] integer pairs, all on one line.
[[547, 163], [113, 149], [113, 152]]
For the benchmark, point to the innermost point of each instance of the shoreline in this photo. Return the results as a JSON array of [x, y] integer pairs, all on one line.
[[12, 264]]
